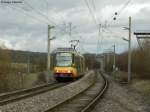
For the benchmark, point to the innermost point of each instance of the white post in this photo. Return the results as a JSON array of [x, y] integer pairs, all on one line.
[[70, 29], [114, 65], [130, 52], [48, 55], [28, 64]]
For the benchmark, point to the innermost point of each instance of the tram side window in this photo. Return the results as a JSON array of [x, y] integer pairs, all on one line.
[[81, 64], [77, 62], [73, 58], [53, 61]]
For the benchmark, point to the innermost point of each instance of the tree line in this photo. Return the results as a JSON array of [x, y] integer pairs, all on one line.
[[17, 61], [140, 60]]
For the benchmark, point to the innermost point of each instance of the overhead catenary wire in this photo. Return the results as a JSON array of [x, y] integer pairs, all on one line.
[[96, 21], [56, 13], [63, 30], [26, 12], [124, 7], [23, 12], [93, 3], [100, 28], [59, 16], [100, 37], [91, 13], [118, 13], [105, 23], [47, 3], [94, 10], [39, 13]]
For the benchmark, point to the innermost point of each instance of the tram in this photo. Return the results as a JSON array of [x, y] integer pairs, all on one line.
[[68, 64]]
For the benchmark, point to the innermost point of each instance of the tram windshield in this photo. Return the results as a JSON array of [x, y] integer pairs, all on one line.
[[64, 59]]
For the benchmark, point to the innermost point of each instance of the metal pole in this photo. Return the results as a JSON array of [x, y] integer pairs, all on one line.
[[28, 66], [73, 44], [74, 47], [48, 55], [48, 48], [129, 53], [22, 80], [114, 65], [70, 29], [99, 32]]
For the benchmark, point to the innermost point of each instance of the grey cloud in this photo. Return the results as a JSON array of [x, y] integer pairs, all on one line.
[[27, 33]]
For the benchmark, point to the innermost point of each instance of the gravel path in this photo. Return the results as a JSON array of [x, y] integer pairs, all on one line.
[[119, 98]]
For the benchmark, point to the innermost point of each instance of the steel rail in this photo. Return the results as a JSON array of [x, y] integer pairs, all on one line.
[[93, 102], [22, 94], [90, 105]]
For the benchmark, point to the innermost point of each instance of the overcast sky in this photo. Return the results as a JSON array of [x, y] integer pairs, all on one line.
[[23, 26]]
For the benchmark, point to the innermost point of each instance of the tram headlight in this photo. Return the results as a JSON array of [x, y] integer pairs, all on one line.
[[57, 71], [69, 71]]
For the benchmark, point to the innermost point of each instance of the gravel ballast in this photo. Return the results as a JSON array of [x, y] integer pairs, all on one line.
[[119, 98], [47, 100], [80, 101]]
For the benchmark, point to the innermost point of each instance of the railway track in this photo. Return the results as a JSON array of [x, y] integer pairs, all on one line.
[[86, 100], [98, 96], [25, 93]]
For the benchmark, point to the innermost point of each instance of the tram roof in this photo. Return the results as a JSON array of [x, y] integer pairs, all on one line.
[[69, 50]]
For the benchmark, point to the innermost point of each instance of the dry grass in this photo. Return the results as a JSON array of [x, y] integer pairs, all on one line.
[[12, 82], [142, 86], [120, 76], [29, 80]]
